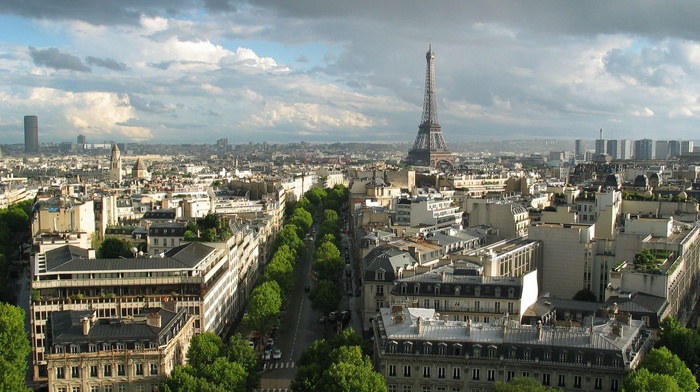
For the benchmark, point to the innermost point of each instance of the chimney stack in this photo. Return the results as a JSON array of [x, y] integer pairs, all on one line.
[[86, 325], [539, 330], [469, 327], [153, 320]]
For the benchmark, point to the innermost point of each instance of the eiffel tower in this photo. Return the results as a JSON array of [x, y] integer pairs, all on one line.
[[430, 148]]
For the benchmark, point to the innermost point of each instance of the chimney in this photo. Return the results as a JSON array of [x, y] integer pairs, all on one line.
[[418, 326], [153, 320], [86, 325], [170, 305], [469, 327], [539, 330]]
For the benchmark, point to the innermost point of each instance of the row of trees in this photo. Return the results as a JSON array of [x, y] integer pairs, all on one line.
[[340, 364], [215, 366], [14, 228]]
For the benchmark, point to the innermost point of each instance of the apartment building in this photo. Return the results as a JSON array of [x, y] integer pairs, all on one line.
[[460, 293], [210, 280], [131, 354], [416, 350]]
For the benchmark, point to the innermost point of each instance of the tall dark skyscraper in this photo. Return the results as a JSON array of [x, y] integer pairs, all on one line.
[[31, 134], [430, 148]]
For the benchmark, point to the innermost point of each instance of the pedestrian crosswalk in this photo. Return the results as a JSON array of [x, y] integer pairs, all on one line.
[[278, 365]]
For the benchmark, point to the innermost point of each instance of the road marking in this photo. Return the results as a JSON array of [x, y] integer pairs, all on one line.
[[294, 340]]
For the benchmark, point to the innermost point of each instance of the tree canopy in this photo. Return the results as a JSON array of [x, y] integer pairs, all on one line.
[[337, 365], [585, 295], [642, 380], [114, 248], [324, 297], [264, 306], [15, 348], [662, 361], [214, 366], [327, 261]]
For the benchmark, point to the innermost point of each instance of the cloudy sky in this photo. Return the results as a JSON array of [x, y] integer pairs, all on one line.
[[176, 71]]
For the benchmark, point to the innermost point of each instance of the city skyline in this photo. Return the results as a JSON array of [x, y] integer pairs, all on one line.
[[193, 72]]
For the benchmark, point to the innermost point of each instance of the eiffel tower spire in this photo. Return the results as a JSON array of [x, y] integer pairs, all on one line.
[[429, 148]]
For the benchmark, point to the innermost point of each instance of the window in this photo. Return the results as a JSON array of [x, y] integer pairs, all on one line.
[[510, 308], [577, 381], [526, 374], [456, 373], [579, 358], [599, 360], [407, 388], [426, 389], [491, 375], [547, 356], [75, 372], [614, 385], [526, 354], [441, 372], [140, 388], [562, 380], [392, 370], [120, 370], [74, 349], [598, 385], [476, 351], [492, 352], [75, 389], [562, 357], [545, 378], [92, 347], [416, 289], [61, 389], [477, 305], [427, 348], [392, 388], [457, 349], [93, 370], [407, 370], [426, 371], [94, 388], [154, 369], [380, 289], [475, 374], [510, 375], [497, 307], [60, 372], [139, 369], [108, 388], [121, 388], [442, 348], [107, 371]]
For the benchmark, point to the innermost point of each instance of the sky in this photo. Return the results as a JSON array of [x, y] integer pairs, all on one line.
[[188, 71]]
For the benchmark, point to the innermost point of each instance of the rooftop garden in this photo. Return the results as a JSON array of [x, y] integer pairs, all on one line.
[[650, 261]]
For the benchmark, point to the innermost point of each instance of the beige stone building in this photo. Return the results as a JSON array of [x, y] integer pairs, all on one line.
[[130, 354]]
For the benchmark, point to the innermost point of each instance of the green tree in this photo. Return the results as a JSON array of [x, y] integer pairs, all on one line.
[[240, 352], [288, 236], [230, 376], [183, 379], [350, 371], [316, 196], [680, 340], [522, 384], [15, 348], [280, 270], [330, 216], [204, 349], [585, 295], [327, 261], [305, 204], [264, 306], [642, 380], [302, 219], [662, 361], [114, 248], [324, 297]]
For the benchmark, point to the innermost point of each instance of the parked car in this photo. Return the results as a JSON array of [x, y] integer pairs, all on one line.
[[267, 355], [251, 344], [275, 332], [277, 354], [270, 341]]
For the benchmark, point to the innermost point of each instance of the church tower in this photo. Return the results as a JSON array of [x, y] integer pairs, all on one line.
[[429, 148], [115, 165]]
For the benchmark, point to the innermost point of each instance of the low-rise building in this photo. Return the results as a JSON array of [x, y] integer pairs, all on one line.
[[87, 353], [415, 349]]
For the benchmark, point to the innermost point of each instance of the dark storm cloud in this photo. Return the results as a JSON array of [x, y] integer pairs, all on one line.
[[113, 12], [644, 17], [152, 106], [219, 5], [54, 58], [106, 63]]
